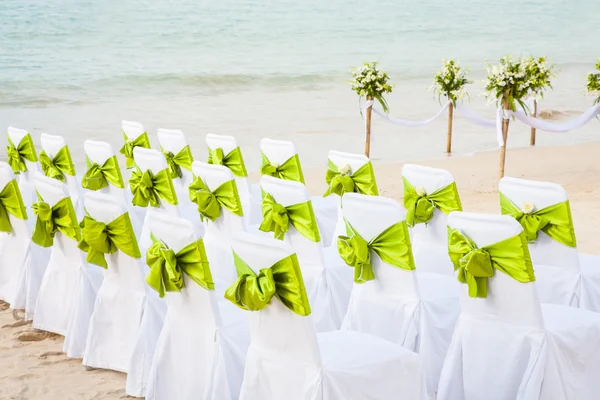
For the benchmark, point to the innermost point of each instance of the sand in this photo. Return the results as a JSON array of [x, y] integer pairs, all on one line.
[[31, 363]]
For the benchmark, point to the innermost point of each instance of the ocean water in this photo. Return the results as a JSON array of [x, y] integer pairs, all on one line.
[[278, 68]]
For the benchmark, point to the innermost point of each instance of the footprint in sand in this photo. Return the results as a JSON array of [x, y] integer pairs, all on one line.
[[35, 336], [50, 353], [4, 306], [17, 324]]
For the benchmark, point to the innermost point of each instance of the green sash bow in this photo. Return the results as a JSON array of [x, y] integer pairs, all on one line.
[[476, 265], [127, 149], [555, 221], [420, 206], [210, 203], [148, 188], [58, 166], [290, 170], [361, 181], [283, 279], [17, 155], [234, 160], [49, 220], [98, 176], [11, 202], [277, 219], [167, 268], [183, 159], [100, 239], [392, 246]]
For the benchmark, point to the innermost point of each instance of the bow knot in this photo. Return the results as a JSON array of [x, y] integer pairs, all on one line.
[[127, 149], [58, 166], [148, 189], [420, 206], [98, 176], [254, 292], [210, 202], [277, 219], [17, 155], [216, 156], [233, 160], [289, 170], [356, 253], [532, 224], [49, 220], [360, 181], [11, 203], [183, 159]]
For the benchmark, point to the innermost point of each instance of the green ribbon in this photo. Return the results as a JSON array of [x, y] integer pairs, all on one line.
[[11, 202], [392, 246], [99, 239], [476, 265], [167, 268], [361, 181], [210, 202], [98, 176], [283, 280], [555, 221], [148, 188], [233, 160], [289, 170], [59, 166], [420, 206], [183, 159], [127, 149], [17, 155], [277, 219], [49, 220]]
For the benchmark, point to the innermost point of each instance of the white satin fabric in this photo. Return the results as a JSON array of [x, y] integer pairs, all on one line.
[[287, 360], [415, 310], [201, 350], [508, 346]]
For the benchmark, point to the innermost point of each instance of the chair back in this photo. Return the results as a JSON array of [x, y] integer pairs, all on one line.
[[277, 151], [507, 298], [174, 140], [52, 144], [98, 152], [132, 129], [25, 178], [19, 226]]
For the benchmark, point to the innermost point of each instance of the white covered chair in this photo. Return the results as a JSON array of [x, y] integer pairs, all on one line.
[[249, 195], [416, 311], [52, 144], [282, 153], [508, 345], [561, 277], [287, 360], [119, 305], [26, 185], [430, 240], [59, 288], [201, 350], [328, 281]]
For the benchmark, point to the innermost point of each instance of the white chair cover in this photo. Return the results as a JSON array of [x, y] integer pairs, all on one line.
[[430, 240], [51, 144], [560, 278], [287, 360], [250, 195], [326, 283], [279, 151], [132, 129], [119, 305], [201, 350], [59, 289], [508, 346], [25, 178], [416, 311]]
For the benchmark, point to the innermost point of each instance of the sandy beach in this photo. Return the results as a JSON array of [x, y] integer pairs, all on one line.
[[33, 367]]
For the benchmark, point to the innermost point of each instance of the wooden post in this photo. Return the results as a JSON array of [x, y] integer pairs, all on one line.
[[504, 136], [532, 141], [368, 127], [450, 116]]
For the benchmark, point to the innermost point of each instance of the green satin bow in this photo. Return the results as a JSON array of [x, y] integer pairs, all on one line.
[[234, 160], [98, 176], [148, 188], [17, 155], [420, 206], [210, 203], [361, 181], [290, 169], [58, 166], [476, 265], [167, 268], [127, 149], [392, 246], [49, 220], [555, 221], [99, 239], [11, 202], [277, 219], [283, 279], [183, 159]]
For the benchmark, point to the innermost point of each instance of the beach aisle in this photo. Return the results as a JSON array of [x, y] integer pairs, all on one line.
[[33, 367]]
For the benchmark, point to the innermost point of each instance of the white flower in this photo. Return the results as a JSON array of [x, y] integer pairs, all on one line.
[[528, 208], [345, 169], [421, 191]]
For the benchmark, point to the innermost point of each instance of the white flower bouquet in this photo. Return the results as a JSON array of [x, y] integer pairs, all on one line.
[[508, 83], [540, 74], [450, 82], [593, 83], [371, 82]]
